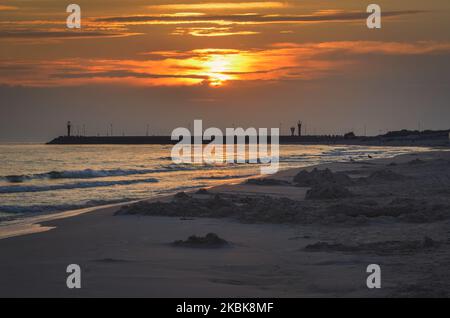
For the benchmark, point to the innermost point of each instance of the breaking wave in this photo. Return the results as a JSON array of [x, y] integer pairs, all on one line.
[[78, 174], [93, 174], [67, 186]]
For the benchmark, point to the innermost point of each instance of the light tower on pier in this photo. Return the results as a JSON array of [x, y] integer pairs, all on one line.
[[292, 131]]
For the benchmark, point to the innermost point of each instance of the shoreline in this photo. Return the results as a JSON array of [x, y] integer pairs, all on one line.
[[34, 224], [322, 251]]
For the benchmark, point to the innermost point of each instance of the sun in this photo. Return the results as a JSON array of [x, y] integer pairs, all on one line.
[[216, 68]]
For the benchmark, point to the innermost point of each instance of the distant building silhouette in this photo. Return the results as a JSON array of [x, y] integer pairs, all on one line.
[[350, 135], [69, 128], [292, 131], [299, 124]]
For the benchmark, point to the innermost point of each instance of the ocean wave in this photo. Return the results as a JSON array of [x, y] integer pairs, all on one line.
[[93, 174], [77, 174], [68, 186]]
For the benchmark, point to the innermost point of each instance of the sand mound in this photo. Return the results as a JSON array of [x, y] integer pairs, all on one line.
[[328, 191], [267, 182], [202, 192], [381, 176], [317, 177], [385, 175], [320, 208], [404, 210], [211, 240], [379, 248], [251, 209], [181, 196]]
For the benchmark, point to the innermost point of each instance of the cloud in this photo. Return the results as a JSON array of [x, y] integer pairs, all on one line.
[[216, 67], [321, 16], [220, 6], [211, 32], [371, 47], [126, 74], [8, 8], [52, 30], [58, 34]]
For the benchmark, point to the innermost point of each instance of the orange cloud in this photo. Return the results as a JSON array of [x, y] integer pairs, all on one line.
[[250, 18], [213, 67], [28, 34], [387, 48], [51, 30], [220, 6], [211, 31], [7, 8]]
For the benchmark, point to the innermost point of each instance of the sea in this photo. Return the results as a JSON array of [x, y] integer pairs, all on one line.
[[43, 179]]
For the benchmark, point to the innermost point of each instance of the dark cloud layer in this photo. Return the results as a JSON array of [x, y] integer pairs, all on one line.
[[255, 18], [62, 34], [125, 73]]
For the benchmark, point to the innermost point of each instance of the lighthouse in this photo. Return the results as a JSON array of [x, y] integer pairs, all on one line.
[[69, 128]]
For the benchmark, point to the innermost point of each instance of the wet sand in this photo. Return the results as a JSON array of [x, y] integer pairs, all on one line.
[[315, 244]]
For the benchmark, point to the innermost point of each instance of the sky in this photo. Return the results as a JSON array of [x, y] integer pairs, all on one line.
[[162, 64]]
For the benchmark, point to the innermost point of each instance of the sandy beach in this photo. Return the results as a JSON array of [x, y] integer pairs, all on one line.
[[300, 233]]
